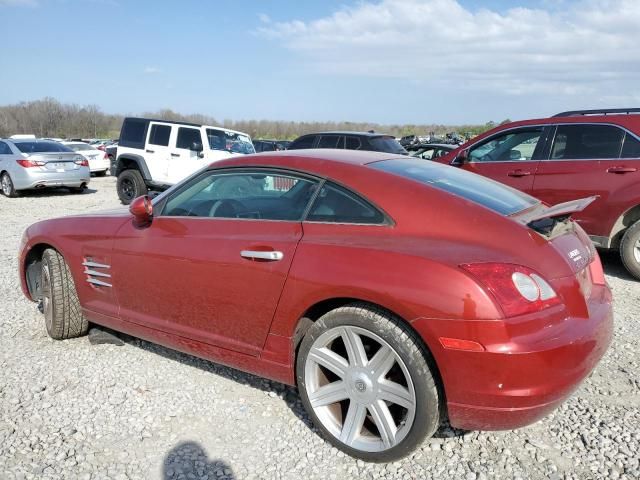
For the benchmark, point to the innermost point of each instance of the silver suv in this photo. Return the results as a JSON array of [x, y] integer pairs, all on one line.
[[33, 164]]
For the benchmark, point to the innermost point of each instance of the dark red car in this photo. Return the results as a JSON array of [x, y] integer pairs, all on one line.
[[392, 291], [568, 156]]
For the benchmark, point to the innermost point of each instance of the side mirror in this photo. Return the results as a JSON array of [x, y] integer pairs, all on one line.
[[196, 147], [461, 158], [142, 210]]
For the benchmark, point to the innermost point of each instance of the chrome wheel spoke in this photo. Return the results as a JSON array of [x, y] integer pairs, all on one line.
[[353, 422], [395, 393], [355, 348], [636, 251], [330, 360], [382, 361], [385, 423], [329, 394]]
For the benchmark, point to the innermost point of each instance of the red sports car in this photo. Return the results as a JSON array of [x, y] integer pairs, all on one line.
[[392, 291]]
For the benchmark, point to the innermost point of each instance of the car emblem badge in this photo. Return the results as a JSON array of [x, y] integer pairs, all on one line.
[[360, 386]]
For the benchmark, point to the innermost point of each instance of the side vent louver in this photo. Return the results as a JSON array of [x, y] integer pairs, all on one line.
[[96, 273]]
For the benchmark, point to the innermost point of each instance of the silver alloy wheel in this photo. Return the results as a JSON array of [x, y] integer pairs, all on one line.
[[369, 404], [636, 251], [6, 185], [47, 303]]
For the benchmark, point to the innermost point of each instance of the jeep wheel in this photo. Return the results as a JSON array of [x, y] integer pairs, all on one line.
[[130, 185], [630, 250]]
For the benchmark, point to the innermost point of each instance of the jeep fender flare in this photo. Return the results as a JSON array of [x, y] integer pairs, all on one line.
[[125, 162]]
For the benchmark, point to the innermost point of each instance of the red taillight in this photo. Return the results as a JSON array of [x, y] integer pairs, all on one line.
[[30, 163], [596, 271], [83, 163], [517, 289]]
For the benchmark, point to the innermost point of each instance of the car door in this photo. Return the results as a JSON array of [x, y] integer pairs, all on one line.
[[212, 265], [185, 159], [510, 157], [157, 152], [585, 160], [6, 155]]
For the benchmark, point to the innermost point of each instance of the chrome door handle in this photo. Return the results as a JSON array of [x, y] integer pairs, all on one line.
[[272, 255]]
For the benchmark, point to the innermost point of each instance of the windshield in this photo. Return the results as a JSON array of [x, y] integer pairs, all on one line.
[[481, 190], [80, 147], [387, 144], [41, 147], [229, 141]]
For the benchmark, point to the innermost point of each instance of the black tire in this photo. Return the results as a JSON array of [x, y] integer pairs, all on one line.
[[630, 250], [61, 307], [419, 365], [78, 189], [130, 185], [6, 184]]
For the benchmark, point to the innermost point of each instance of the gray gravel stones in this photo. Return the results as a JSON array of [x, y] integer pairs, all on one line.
[[73, 410]]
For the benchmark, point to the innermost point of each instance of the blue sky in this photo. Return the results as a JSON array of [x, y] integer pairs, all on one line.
[[384, 61]]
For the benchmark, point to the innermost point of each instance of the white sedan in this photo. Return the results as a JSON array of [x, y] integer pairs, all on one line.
[[99, 161]]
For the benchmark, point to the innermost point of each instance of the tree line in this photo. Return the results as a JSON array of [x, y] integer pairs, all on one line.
[[53, 119]]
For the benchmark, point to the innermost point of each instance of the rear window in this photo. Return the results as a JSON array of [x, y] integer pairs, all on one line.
[[134, 133], [387, 144], [478, 189], [41, 147]]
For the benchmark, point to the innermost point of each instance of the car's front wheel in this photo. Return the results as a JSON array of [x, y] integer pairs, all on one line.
[[367, 382], [130, 185], [61, 307], [630, 250]]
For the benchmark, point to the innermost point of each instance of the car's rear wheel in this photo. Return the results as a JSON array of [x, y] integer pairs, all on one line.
[[630, 250], [366, 381], [130, 185], [8, 190], [61, 307]]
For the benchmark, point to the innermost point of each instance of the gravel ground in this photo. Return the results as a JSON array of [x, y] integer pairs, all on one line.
[[75, 410]]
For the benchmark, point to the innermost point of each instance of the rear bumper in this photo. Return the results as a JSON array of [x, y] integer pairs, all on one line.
[[25, 179], [530, 366]]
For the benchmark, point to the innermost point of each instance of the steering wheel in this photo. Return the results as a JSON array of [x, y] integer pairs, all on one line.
[[226, 208]]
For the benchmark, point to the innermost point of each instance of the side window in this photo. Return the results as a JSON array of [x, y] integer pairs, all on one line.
[[187, 137], [338, 205], [353, 143], [329, 141], [4, 149], [257, 196], [630, 147], [304, 142], [159, 135], [586, 141], [427, 154], [510, 146]]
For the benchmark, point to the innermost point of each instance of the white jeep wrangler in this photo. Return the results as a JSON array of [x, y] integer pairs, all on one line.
[[155, 154]]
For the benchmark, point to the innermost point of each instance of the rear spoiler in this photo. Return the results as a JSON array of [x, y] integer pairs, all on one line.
[[548, 221], [563, 210]]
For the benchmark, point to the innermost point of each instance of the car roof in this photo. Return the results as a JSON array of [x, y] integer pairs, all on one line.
[[30, 140], [347, 132], [326, 156]]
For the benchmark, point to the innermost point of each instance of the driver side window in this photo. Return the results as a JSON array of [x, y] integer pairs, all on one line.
[[254, 195], [512, 146]]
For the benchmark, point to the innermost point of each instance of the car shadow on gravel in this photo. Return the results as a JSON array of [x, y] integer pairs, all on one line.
[[190, 460], [612, 265], [54, 192], [287, 393]]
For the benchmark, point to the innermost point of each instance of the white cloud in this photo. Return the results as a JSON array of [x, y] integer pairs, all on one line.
[[18, 3], [585, 48], [152, 70], [264, 18]]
